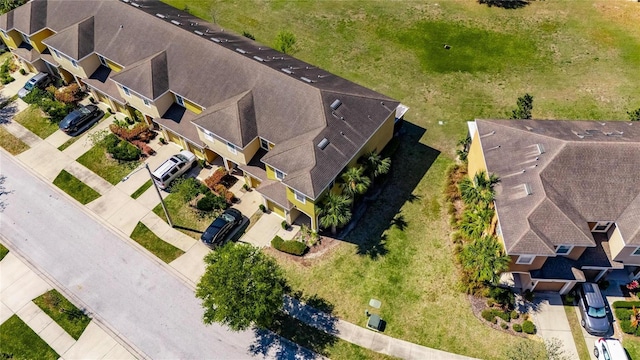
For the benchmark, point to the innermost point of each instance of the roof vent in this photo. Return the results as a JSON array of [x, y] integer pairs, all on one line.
[[287, 71], [336, 104], [158, 15], [258, 58], [306, 79], [527, 189], [540, 148], [198, 32], [176, 22], [323, 143], [241, 51]]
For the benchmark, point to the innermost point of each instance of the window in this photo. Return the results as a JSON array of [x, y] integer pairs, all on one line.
[[56, 53], [74, 63], [563, 249], [102, 60], [279, 174], [300, 196], [126, 91], [636, 252], [180, 100], [264, 144], [525, 259], [231, 148], [146, 102], [498, 229], [208, 135], [602, 226], [25, 38]]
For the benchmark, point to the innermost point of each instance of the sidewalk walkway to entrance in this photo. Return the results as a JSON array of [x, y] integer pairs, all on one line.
[[551, 321], [19, 285]]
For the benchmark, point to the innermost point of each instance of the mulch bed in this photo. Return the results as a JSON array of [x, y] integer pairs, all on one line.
[[322, 248], [478, 304]]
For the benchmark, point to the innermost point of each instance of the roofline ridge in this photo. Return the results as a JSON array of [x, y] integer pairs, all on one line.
[[358, 95], [570, 220]]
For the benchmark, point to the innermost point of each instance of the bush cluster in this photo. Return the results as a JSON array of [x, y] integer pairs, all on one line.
[[289, 246], [69, 94], [5, 76], [44, 99], [624, 312], [517, 327], [210, 202], [120, 149], [188, 188], [528, 327], [491, 314], [215, 178]]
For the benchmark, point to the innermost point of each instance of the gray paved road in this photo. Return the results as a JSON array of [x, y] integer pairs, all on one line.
[[135, 295]]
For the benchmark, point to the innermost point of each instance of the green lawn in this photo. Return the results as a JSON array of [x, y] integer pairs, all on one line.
[[11, 143], [18, 341], [185, 217], [3, 251], [36, 121], [76, 188], [109, 169], [136, 194], [63, 312], [150, 241], [632, 345], [576, 330], [579, 60]]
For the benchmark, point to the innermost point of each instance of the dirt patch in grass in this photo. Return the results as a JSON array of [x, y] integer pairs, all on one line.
[[150, 241], [63, 312], [20, 342], [11, 143]]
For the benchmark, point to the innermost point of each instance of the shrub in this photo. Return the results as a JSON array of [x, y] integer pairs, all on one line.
[[515, 314], [36, 96], [284, 224], [220, 189], [504, 326], [528, 295], [502, 296], [506, 316], [92, 100], [517, 327], [215, 178], [229, 197], [210, 202], [110, 142], [129, 134], [110, 111], [626, 304], [146, 149], [262, 208], [528, 327], [491, 302], [187, 188], [285, 42], [487, 314], [626, 327], [124, 151], [6, 78], [68, 94], [289, 246], [23, 72], [56, 110]]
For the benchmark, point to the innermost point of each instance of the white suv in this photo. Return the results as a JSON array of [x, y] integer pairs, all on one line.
[[174, 167], [609, 349]]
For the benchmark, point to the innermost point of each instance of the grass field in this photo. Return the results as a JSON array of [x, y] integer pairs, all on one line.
[[632, 345], [185, 217], [36, 121], [18, 340], [11, 143], [76, 188], [111, 170], [150, 241], [63, 312], [579, 60]]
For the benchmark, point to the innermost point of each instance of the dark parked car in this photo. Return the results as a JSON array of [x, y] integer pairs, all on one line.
[[80, 119], [593, 310], [220, 227]]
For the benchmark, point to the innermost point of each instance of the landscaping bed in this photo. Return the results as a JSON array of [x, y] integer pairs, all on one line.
[[63, 312]]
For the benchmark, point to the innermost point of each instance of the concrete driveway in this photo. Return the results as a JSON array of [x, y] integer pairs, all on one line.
[[551, 321]]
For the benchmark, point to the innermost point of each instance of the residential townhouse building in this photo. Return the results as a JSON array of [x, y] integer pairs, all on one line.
[[288, 126], [568, 201]]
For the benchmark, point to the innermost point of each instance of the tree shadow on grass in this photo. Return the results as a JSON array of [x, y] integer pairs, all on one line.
[[506, 4], [409, 163]]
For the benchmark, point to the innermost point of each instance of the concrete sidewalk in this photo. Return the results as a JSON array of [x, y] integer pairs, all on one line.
[[19, 285]]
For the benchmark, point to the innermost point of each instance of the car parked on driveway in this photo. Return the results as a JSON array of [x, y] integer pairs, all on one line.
[[593, 311], [174, 167], [221, 227], [40, 80], [609, 349], [80, 119]]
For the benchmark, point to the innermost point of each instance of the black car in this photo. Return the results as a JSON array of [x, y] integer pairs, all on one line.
[[220, 227], [80, 119]]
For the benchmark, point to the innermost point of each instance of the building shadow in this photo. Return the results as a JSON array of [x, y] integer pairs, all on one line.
[[380, 211]]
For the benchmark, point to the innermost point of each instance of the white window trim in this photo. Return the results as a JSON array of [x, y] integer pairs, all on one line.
[[300, 196], [208, 135], [126, 91], [276, 171], [231, 148], [520, 258], [4, 33], [633, 253], [25, 38], [179, 100], [74, 63], [56, 53], [267, 143], [146, 102], [564, 253], [102, 60], [600, 223]]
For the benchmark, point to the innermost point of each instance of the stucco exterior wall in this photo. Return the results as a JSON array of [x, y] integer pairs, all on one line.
[[36, 39], [13, 39], [536, 264], [576, 252], [475, 157]]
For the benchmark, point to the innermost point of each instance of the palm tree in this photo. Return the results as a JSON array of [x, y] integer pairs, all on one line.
[[334, 211], [375, 165], [354, 182], [484, 259], [476, 222], [480, 190]]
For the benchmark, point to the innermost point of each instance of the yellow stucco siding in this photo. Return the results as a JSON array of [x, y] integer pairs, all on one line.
[[220, 147], [13, 39], [85, 68], [476, 156], [113, 66], [619, 250], [275, 208], [192, 106], [378, 141], [162, 103], [36, 39], [138, 103], [308, 207]]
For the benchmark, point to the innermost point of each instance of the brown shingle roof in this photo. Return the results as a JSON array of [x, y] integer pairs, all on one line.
[[588, 172], [76, 41], [149, 77]]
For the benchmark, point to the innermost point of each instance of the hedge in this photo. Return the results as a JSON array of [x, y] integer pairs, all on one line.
[[528, 327], [517, 327], [626, 304], [490, 314], [289, 246]]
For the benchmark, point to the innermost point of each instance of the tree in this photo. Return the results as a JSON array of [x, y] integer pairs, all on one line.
[[285, 42], [8, 5], [475, 222], [479, 191], [634, 115], [241, 286], [354, 182], [525, 105], [464, 152], [483, 260], [334, 211], [375, 165]]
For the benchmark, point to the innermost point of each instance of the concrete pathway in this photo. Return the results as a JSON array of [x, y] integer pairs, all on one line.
[[19, 285], [551, 321]]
